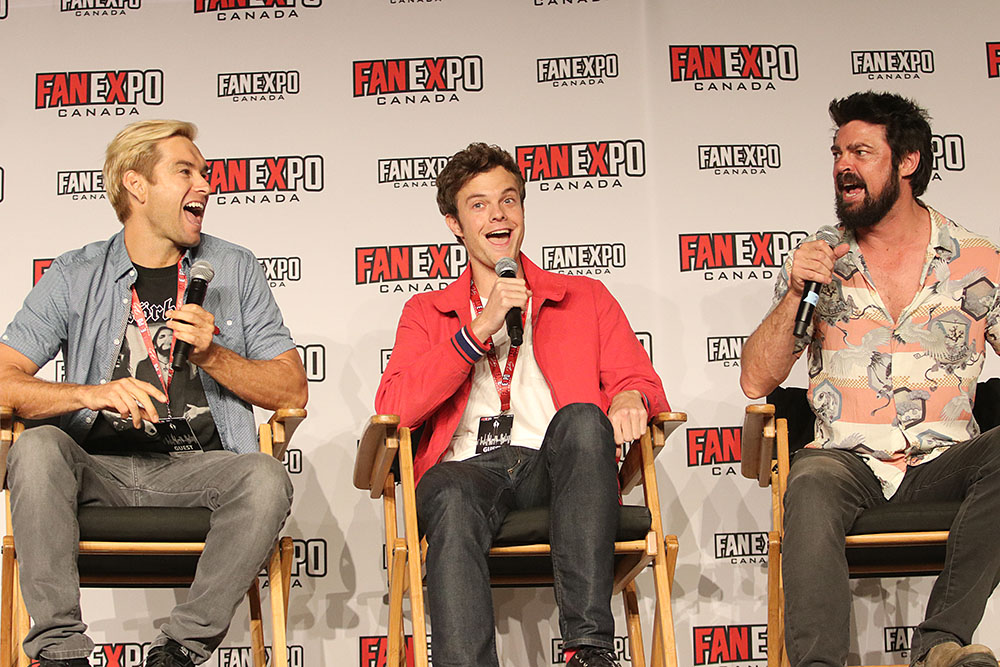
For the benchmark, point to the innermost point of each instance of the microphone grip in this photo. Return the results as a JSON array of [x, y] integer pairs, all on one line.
[[196, 295], [810, 297], [514, 327]]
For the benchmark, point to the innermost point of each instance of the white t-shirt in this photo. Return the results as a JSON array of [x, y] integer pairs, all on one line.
[[530, 397]]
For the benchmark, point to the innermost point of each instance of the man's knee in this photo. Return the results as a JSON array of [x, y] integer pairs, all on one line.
[[37, 453], [266, 480], [582, 425]]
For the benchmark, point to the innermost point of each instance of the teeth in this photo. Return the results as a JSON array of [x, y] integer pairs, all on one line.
[[195, 207]]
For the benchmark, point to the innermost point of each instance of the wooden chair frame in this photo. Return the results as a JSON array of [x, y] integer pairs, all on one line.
[[384, 441], [762, 432], [273, 438]]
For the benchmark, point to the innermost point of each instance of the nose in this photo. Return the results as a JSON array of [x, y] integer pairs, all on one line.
[[201, 184], [497, 212]]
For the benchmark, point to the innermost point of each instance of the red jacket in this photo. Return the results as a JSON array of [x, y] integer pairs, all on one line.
[[583, 344]]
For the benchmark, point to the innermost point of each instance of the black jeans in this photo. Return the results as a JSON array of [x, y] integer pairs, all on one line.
[[461, 504], [828, 489]]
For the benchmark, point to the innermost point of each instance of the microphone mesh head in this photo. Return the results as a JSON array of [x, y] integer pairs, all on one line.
[[202, 269], [505, 264], [829, 234]]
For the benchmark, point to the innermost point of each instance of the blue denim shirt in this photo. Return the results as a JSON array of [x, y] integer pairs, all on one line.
[[81, 307]]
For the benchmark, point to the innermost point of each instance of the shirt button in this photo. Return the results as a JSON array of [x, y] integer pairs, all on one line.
[[89, 419], [104, 381], [117, 342], [229, 323], [124, 300]]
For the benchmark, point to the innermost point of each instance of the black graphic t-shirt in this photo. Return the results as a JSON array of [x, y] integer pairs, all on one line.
[[157, 291]]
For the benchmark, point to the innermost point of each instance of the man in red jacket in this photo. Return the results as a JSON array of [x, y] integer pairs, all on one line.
[[510, 427]]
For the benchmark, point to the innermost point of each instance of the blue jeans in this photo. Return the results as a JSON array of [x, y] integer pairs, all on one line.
[[49, 476], [461, 504], [828, 489]]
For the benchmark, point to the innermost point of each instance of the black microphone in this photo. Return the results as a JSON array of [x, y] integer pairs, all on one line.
[[810, 293], [201, 274], [507, 268]]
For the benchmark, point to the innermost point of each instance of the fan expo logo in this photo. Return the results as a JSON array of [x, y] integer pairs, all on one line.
[[584, 260], [734, 67], [1, 183], [992, 53], [78, 185], [949, 154], [308, 560], [877, 65], [257, 86], [264, 180], [729, 644], [373, 651], [736, 256], [898, 639], [725, 350], [314, 360], [433, 79], [242, 656], [715, 447], [582, 166], [281, 270], [99, 7], [98, 93], [252, 10], [411, 172], [741, 548], [738, 159], [39, 267], [622, 650], [123, 654], [577, 70], [409, 268]]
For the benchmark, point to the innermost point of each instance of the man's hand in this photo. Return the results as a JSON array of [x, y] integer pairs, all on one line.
[[194, 325], [814, 261], [507, 293], [131, 398], [628, 416]]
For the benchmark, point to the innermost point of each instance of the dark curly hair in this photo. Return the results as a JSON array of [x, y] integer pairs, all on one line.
[[478, 158], [907, 129]]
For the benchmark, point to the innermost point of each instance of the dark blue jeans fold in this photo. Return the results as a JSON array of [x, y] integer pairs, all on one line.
[[461, 505], [828, 489]]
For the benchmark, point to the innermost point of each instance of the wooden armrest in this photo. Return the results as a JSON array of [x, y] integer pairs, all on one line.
[[662, 425], [376, 452], [283, 423], [757, 443], [6, 425]]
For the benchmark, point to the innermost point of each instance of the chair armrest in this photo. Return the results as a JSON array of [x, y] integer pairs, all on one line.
[[6, 425], [283, 423], [376, 453], [757, 443], [661, 426]]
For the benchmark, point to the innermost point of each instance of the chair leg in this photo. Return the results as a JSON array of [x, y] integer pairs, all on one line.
[[776, 656], [634, 625], [7, 655], [22, 622], [279, 598], [664, 648], [256, 626], [287, 548], [396, 654]]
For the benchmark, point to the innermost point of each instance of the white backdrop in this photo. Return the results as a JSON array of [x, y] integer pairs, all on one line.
[[333, 129]]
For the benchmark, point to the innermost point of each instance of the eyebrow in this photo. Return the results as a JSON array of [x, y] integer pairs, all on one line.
[[187, 163], [507, 190], [852, 146]]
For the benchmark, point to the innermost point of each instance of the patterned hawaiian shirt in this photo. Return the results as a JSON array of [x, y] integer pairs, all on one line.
[[899, 394]]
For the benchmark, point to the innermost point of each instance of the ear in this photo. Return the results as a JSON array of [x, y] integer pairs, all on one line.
[[136, 185], [909, 164], [454, 225]]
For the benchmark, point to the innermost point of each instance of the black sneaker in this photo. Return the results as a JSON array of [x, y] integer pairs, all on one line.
[[591, 656], [170, 654], [71, 662]]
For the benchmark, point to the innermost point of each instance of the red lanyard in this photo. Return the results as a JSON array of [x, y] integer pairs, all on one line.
[[140, 322], [502, 381]]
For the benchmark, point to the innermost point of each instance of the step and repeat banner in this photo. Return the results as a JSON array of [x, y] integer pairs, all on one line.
[[675, 151]]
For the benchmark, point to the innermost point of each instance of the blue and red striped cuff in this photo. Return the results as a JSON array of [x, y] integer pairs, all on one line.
[[467, 345]]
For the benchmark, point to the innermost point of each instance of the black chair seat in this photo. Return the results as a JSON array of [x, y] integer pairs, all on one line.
[[531, 526], [141, 524]]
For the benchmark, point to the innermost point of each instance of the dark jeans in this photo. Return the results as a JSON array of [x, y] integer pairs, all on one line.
[[461, 504], [828, 489], [50, 476]]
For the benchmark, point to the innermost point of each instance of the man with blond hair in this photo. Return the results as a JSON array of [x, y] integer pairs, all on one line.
[[185, 439]]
